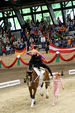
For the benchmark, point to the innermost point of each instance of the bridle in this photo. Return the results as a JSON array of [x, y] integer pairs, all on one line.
[[31, 80]]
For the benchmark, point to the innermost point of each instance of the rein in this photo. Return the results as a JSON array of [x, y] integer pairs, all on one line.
[[44, 81], [34, 79]]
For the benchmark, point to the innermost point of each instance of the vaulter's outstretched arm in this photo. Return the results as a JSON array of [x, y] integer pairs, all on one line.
[[33, 52]]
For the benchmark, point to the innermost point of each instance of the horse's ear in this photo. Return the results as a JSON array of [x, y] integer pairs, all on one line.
[[29, 72], [46, 70]]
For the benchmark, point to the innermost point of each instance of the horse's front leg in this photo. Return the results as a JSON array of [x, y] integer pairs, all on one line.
[[46, 86], [40, 91], [33, 92], [32, 100]]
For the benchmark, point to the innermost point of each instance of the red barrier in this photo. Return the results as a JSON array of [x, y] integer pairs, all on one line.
[[49, 60], [23, 62], [10, 64], [66, 59], [42, 60]]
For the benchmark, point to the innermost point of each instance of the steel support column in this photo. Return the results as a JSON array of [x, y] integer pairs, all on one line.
[[19, 16], [51, 12], [63, 13]]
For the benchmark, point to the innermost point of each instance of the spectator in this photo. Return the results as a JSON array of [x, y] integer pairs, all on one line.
[[22, 34], [64, 42], [69, 42], [67, 30], [59, 21], [47, 46], [73, 42], [3, 50], [60, 42], [0, 49], [8, 49], [43, 40]]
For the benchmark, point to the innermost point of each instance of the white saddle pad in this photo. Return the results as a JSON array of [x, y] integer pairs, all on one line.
[[40, 73]]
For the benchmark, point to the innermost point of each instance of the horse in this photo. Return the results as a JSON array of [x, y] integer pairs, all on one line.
[[33, 81]]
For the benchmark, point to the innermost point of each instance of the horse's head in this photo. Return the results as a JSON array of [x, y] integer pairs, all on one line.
[[31, 77], [28, 77]]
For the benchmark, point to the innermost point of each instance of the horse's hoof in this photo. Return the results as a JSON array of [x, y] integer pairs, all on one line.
[[32, 106], [41, 94], [24, 81], [47, 96], [34, 102]]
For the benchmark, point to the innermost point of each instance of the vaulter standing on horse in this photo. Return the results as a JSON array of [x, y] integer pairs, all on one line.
[[36, 60]]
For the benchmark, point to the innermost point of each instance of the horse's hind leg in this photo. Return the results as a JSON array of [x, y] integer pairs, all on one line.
[[40, 91], [46, 86]]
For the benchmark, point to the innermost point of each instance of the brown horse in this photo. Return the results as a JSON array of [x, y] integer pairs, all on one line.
[[33, 81]]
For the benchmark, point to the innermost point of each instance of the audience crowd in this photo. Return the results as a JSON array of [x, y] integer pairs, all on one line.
[[39, 33]]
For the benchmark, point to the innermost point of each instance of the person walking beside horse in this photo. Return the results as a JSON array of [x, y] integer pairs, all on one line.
[[56, 85]]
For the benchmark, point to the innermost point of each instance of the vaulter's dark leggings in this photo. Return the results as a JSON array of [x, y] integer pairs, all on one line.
[[45, 66], [38, 63]]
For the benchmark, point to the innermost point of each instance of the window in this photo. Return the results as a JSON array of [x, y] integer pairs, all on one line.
[[17, 23], [27, 17], [20, 11], [27, 10], [69, 13], [0, 14], [13, 13], [2, 23], [36, 9], [38, 17], [10, 13], [74, 13], [67, 4], [47, 17], [5, 14], [44, 8], [58, 14], [73, 2], [11, 23], [55, 6]]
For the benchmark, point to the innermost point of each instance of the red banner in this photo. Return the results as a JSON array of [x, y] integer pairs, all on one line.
[[53, 48]]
